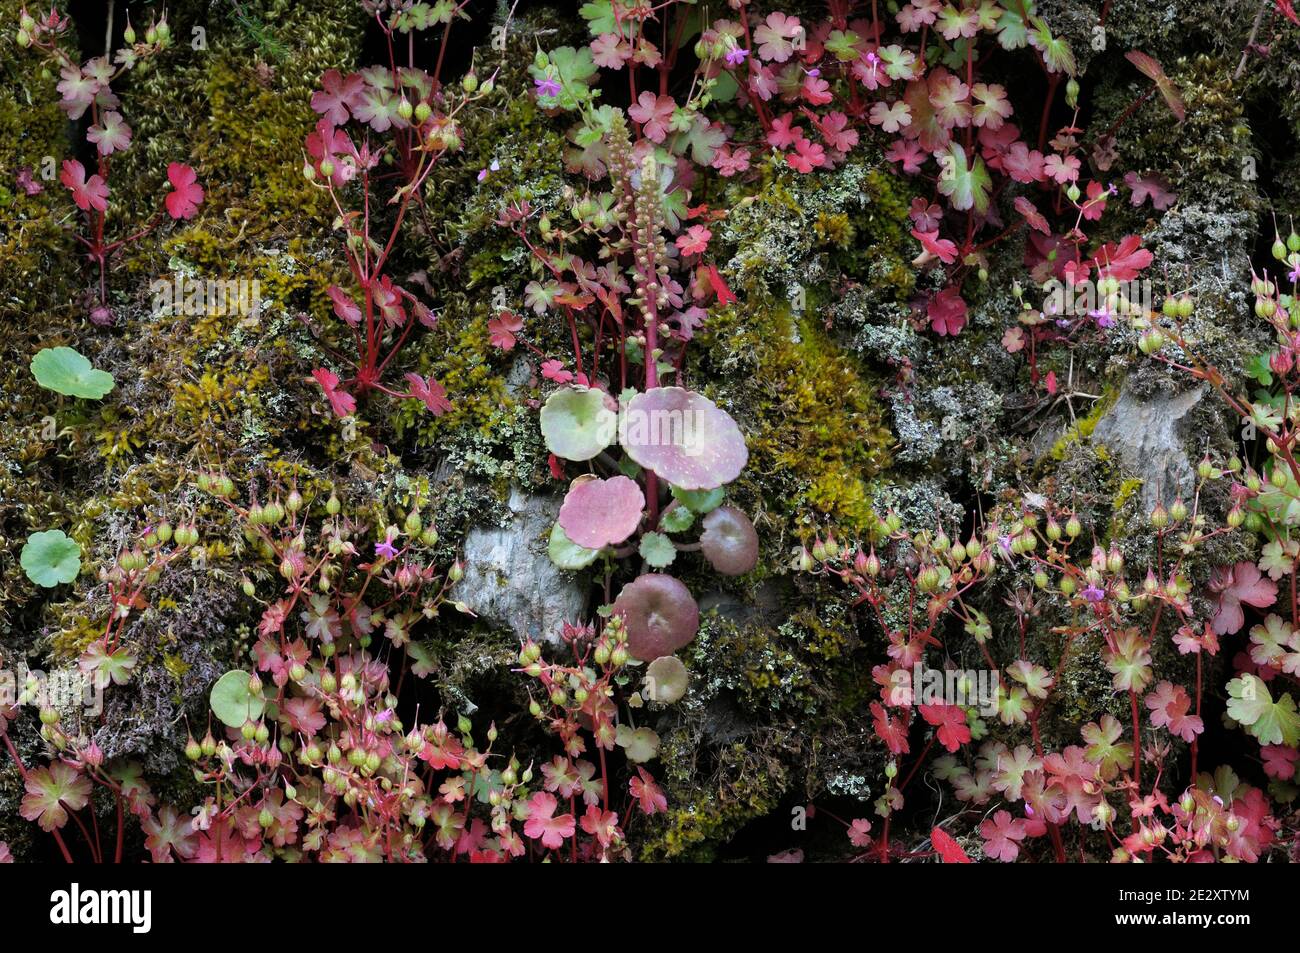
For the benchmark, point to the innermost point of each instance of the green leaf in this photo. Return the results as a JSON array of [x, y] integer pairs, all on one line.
[[599, 15], [657, 550], [1251, 706], [1012, 33], [232, 702], [567, 554], [967, 186], [1057, 55], [68, 372], [577, 424], [677, 520], [50, 558], [640, 745], [1257, 367], [700, 501], [842, 44]]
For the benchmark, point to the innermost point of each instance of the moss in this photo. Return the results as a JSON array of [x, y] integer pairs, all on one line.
[[1082, 429], [814, 427], [742, 785]]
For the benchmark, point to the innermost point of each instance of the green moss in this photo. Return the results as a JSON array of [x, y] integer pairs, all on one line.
[[815, 429], [706, 811]]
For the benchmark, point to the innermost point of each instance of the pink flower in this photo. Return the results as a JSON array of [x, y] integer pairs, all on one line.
[[341, 402], [87, 194], [541, 825], [188, 194], [386, 549]]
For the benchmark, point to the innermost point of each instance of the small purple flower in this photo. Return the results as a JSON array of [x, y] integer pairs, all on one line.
[[1093, 594], [386, 549], [1294, 274], [1005, 543], [736, 55], [1103, 317], [1113, 189], [546, 86]]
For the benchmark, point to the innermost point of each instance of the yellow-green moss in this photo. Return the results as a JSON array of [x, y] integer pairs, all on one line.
[[815, 429]]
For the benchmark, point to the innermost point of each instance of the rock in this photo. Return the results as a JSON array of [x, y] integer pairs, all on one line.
[[509, 579], [1146, 436]]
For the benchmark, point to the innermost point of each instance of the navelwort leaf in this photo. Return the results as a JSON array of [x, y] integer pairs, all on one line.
[[68, 372]]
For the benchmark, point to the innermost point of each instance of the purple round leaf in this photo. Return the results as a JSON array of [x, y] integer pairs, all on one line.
[[683, 437], [598, 513], [660, 613], [729, 542]]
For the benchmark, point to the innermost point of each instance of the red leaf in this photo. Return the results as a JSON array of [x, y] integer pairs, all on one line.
[[725, 297], [340, 400], [949, 850], [947, 311], [1123, 261], [951, 722], [188, 194]]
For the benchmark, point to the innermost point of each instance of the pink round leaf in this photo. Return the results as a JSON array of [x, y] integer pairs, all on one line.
[[729, 542], [683, 437], [660, 613], [598, 513]]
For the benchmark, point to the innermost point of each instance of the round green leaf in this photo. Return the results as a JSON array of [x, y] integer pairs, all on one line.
[[68, 372], [640, 744], [666, 680], [232, 702], [677, 520], [657, 550], [50, 558], [567, 554], [577, 423]]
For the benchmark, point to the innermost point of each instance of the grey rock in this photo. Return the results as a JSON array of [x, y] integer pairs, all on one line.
[[509, 579], [1146, 435]]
